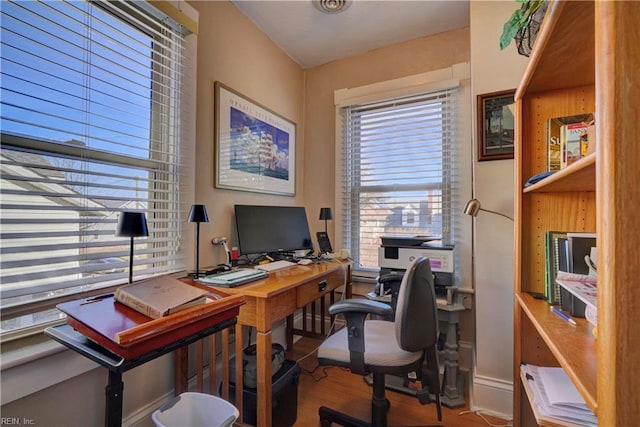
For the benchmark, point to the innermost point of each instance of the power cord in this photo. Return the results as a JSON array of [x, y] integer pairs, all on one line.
[[331, 327], [489, 423]]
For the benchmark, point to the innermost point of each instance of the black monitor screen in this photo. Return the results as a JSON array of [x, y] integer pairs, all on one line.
[[269, 229]]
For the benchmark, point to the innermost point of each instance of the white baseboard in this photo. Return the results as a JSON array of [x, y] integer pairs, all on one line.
[[142, 416], [492, 396]]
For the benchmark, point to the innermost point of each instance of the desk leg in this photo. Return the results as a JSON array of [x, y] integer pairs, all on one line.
[[239, 342], [452, 394], [263, 359], [289, 332], [113, 394]]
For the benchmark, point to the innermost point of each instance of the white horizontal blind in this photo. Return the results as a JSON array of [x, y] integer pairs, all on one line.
[[90, 126], [399, 171]]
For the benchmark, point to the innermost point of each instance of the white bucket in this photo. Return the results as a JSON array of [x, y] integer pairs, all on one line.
[[195, 410]]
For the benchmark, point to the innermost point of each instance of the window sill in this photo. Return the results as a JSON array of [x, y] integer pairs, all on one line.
[[34, 363]]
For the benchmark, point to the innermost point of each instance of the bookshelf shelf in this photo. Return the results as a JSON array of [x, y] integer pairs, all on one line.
[[573, 347], [554, 62], [580, 176], [584, 54]]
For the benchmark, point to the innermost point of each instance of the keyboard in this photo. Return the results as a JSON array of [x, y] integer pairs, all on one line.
[[233, 278], [276, 265]]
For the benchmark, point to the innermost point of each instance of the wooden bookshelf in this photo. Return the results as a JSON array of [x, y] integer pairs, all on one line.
[[585, 60]]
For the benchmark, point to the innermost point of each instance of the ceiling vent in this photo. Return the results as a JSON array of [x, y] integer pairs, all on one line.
[[331, 6]]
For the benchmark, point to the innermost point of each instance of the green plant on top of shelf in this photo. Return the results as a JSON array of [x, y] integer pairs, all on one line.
[[523, 25]]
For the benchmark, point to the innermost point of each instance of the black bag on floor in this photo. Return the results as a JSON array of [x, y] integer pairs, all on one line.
[[251, 367]]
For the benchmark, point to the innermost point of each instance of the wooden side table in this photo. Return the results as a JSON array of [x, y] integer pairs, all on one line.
[[116, 365]]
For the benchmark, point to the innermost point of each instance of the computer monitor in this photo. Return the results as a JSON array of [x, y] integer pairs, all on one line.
[[272, 229]]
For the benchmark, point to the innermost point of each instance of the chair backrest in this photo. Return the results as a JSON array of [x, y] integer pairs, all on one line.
[[416, 320]]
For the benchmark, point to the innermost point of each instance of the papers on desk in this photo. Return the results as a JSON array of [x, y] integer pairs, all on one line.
[[233, 278], [554, 397]]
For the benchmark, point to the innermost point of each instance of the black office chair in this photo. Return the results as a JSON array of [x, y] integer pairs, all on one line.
[[382, 347]]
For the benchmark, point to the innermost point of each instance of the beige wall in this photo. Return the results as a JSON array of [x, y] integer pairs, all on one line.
[[401, 60], [493, 70], [232, 50]]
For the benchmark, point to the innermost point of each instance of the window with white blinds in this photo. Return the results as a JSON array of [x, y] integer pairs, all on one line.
[[398, 171], [91, 123]]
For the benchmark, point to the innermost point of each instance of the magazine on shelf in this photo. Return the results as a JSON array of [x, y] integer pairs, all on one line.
[[582, 287], [554, 137], [572, 140]]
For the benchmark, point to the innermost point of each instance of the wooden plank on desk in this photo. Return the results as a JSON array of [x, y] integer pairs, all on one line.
[[104, 320], [152, 328]]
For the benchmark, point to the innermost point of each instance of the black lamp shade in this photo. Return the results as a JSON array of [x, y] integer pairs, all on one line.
[[132, 224], [325, 213], [198, 214]]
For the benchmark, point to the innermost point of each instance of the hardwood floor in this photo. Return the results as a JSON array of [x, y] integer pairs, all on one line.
[[340, 389]]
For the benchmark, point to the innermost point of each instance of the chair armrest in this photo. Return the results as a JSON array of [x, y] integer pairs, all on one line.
[[355, 312], [391, 277], [360, 306]]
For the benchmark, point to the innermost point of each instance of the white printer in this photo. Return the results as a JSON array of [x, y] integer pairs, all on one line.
[[397, 252]]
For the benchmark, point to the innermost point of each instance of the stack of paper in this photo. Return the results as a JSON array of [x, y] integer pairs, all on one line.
[[556, 398], [233, 278], [584, 288]]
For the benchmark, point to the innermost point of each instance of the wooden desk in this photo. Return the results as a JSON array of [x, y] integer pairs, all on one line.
[[275, 298]]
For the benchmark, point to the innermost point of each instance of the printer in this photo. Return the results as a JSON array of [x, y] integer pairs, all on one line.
[[397, 252]]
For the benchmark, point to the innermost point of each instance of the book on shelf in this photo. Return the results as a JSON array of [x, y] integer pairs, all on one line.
[[556, 260], [555, 141], [590, 140], [571, 137], [160, 296], [554, 398], [581, 245]]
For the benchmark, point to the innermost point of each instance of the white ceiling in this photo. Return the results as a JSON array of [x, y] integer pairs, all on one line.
[[313, 38]]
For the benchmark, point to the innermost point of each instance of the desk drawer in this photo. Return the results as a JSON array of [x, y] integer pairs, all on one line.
[[320, 286]]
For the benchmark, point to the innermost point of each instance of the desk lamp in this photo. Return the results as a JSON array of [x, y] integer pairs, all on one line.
[[473, 207], [132, 224], [198, 214], [325, 214]]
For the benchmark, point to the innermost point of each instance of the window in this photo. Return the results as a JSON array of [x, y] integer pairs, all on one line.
[[398, 171], [91, 126]]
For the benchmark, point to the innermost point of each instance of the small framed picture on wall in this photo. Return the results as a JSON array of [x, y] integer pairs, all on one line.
[[496, 125]]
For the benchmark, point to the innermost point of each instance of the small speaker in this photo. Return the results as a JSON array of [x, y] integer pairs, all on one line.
[[324, 243]]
